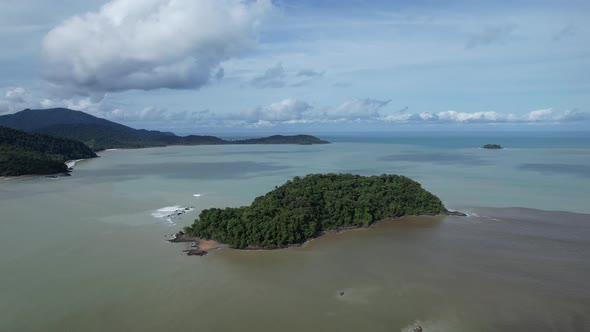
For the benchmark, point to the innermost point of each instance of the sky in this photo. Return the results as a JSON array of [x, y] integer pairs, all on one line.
[[206, 66]]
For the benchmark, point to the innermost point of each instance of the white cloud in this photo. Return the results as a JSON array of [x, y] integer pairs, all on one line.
[[478, 117], [15, 95], [540, 115], [547, 115], [284, 110], [357, 109], [14, 99], [574, 115], [150, 44]]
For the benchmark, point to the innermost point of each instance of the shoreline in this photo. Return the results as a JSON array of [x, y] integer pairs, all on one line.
[[198, 247], [70, 164], [201, 247]]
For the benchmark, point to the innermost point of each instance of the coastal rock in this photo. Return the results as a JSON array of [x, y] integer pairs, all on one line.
[[195, 252], [453, 213], [181, 237]]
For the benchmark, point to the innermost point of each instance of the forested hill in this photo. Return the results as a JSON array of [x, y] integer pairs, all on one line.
[[281, 139], [101, 134], [305, 207], [24, 153]]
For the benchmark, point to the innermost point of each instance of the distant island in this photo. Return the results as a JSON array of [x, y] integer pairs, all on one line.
[[101, 134], [23, 153], [492, 146], [306, 207]]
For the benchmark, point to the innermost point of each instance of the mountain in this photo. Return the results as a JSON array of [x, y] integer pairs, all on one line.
[[97, 133], [25, 153], [101, 134]]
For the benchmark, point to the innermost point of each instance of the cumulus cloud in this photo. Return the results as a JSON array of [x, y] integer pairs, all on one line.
[[273, 77], [547, 115], [15, 95], [14, 99], [357, 109], [491, 35], [150, 44], [291, 111], [285, 110]]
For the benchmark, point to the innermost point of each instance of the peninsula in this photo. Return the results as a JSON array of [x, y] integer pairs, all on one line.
[[38, 142], [306, 207], [23, 153], [101, 134]]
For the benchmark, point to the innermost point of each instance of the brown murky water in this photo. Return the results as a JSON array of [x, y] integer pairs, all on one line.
[[86, 254]]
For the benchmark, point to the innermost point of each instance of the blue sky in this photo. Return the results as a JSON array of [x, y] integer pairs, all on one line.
[[230, 65]]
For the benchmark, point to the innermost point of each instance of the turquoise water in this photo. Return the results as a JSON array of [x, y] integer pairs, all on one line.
[[88, 252]]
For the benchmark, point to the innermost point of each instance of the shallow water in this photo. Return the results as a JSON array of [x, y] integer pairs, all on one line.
[[87, 253]]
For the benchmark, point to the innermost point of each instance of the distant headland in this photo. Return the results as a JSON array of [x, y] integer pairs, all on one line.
[[307, 207], [23, 153], [40, 141]]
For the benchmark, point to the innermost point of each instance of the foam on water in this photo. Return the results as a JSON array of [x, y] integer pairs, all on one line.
[[429, 326], [72, 163], [169, 213]]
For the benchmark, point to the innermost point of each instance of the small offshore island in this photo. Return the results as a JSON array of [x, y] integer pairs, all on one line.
[[307, 207], [492, 146]]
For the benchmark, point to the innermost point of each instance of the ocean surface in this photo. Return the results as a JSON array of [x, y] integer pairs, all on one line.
[[89, 252]]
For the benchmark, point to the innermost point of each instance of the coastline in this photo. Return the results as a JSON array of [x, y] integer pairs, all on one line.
[[201, 247], [198, 247], [70, 164]]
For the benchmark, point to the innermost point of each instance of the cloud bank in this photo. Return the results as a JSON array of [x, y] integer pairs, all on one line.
[[150, 44], [286, 112]]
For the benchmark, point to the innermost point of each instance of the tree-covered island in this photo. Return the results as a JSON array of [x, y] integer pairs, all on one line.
[[492, 146], [306, 207]]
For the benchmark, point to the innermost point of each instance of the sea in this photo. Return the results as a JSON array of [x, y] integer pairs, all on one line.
[[89, 252]]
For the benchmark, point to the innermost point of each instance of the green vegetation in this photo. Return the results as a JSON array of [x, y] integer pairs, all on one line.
[[23, 153], [492, 146], [100, 134], [305, 207], [280, 139]]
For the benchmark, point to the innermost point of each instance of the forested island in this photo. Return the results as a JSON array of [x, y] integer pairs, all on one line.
[[101, 134], [23, 153], [492, 146], [306, 207]]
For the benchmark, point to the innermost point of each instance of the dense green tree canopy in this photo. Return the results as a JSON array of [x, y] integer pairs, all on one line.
[[24, 153], [304, 207]]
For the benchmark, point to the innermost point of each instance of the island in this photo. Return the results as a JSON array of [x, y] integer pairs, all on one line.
[[23, 153], [306, 207], [492, 146]]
